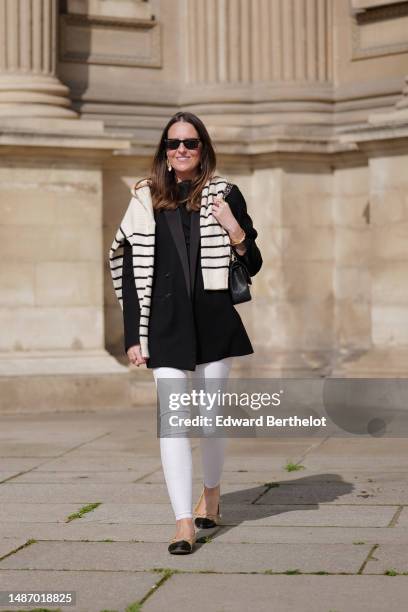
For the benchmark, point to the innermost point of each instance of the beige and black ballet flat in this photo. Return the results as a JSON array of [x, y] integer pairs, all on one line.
[[206, 520], [182, 547]]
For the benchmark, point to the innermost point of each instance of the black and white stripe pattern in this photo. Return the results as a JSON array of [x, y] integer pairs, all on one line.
[[138, 227], [215, 241]]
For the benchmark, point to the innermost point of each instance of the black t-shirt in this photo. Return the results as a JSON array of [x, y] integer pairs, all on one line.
[[183, 191]]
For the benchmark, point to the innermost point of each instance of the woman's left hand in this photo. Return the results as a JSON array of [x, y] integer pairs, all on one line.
[[222, 212]]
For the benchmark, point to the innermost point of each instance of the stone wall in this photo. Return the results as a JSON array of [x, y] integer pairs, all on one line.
[[352, 219], [51, 294], [388, 253], [307, 105]]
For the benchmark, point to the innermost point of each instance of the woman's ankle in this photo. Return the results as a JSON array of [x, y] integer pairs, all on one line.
[[185, 526], [185, 521], [215, 489]]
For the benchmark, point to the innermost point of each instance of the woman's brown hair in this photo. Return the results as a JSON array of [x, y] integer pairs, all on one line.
[[163, 183]]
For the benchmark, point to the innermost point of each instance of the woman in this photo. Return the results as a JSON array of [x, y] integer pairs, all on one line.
[[169, 264]]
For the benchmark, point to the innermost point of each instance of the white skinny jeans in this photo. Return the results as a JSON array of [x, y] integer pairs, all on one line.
[[176, 452]]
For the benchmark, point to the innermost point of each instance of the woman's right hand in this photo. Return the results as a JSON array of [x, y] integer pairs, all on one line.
[[135, 355]]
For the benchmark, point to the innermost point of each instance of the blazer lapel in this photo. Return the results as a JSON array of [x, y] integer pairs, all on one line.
[[174, 222], [194, 244]]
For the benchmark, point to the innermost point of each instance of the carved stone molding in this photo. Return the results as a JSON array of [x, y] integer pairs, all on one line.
[[368, 5], [403, 103], [83, 39], [137, 9], [373, 34]]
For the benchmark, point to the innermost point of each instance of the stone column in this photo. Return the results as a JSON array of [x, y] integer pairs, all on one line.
[[246, 41], [29, 86]]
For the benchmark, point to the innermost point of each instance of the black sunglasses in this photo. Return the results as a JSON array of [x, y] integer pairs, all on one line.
[[189, 143]]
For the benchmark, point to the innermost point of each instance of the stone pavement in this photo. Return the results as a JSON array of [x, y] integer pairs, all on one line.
[[331, 537]]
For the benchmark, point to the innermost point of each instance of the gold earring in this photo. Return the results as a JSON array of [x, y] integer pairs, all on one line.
[[169, 166]]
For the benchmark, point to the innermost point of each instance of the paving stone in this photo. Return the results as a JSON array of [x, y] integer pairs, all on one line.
[[83, 493], [77, 530], [309, 535], [47, 435], [267, 451], [353, 489], [19, 464], [322, 475], [403, 518], [148, 447], [232, 593], [86, 492], [347, 462], [391, 555], [323, 515], [216, 557], [6, 475], [244, 447], [101, 463], [362, 454], [339, 493], [142, 514], [31, 449], [85, 452], [63, 423], [124, 442], [304, 476], [51, 428], [95, 591], [243, 476], [84, 476], [34, 513], [359, 447], [126, 532], [274, 462], [123, 434], [9, 544]]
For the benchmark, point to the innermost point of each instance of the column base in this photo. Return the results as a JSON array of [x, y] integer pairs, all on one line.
[[376, 363], [34, 96], [395, 116], [77, 381], [283, 364]]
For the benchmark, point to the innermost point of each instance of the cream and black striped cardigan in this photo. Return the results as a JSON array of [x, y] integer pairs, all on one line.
[[138, 227]]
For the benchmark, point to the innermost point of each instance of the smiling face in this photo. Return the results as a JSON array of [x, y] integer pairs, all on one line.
[[184, 161]]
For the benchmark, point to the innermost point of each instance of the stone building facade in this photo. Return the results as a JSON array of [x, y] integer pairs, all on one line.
[[307, 103]]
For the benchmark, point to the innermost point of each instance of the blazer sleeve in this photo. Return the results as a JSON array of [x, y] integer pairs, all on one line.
[[252, 257], [131, 306]]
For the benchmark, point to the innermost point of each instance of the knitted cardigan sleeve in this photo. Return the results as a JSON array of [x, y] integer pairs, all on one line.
[[252, 257], [131, 306]]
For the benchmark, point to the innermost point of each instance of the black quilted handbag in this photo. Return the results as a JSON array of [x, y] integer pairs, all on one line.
[[239, 278]]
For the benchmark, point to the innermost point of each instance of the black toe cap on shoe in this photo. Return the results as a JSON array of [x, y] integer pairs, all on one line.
[[204, 523], [181, 547]]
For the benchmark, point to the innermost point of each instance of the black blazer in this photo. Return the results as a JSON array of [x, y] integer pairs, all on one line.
[[188, 325]]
